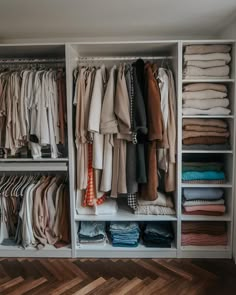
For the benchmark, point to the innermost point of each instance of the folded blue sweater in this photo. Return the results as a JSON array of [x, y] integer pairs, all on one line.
[[203, 175]]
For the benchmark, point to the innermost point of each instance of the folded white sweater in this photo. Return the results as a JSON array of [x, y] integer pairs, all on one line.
[[215, 71], [205, 104], [205, 63], [204, 94], [213, 111], [209, 56]]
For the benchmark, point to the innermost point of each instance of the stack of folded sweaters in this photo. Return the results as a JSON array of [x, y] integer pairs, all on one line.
[[124, 234], [201, 233], [203, 201], [205, 99], [92, 233], [207, 61], [159, 234], [200, 172], [205, 134], [163, 205]]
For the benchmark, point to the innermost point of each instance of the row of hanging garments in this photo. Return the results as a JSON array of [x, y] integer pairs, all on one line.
[[32, 113], [125, 132], [34, 211]]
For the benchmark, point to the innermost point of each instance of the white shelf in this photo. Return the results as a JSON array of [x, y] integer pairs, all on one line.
[[208, 81], [223, 185], [47, 251], [206, 152], [127, 252], [33, 166], [30, 160], [223, 252], [225, 217], [124, 214]]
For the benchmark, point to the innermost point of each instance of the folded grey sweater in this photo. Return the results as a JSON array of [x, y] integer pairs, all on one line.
[[204, 49]]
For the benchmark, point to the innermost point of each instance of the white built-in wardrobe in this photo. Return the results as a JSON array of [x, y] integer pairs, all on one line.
[[72, 54]]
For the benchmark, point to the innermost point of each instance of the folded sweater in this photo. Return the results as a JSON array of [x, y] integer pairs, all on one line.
[[162, 200], [190, 134], [205, 122], [205, 86], [203, 193], [202, 166], [200, 128], [203, 175], [203, 240], [202, 202], [206, 103], [211, 111], [211, 140], [203, 94], [206, 227], [209, 56], [205, 63], [213, 208], [205, 49], [215, 71], [154, 210]]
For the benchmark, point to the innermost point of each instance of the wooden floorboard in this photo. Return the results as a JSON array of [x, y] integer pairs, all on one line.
[[29, 276]]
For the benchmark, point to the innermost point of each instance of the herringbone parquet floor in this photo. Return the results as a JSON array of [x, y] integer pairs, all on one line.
[[117, 276]]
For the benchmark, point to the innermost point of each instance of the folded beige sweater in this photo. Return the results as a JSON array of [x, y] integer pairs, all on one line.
[[190, 134], [205, 122], [214, 111], [162, 200], [215, 71], [204, 49], [204, 104], [204, 128], [203, 77], [205, 86], [210, 56], [203, 94], [205, 63]]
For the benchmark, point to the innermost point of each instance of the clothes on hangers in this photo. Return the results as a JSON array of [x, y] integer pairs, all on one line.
[[127, 114], [32, 113], [34, 211]]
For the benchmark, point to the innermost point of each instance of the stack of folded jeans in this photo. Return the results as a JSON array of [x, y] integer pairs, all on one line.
[[124, 234], [92, 233], [159, 234]]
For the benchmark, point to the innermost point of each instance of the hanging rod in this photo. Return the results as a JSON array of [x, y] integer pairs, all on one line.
[[111, 58], [28, 61]]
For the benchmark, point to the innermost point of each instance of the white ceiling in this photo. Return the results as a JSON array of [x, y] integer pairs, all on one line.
[[23, 19]]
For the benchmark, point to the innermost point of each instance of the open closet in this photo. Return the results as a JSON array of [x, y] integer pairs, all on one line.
[[201, 203]]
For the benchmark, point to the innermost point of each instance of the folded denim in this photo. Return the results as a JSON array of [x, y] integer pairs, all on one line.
[[125, 245], [160, 229], [92, 228]]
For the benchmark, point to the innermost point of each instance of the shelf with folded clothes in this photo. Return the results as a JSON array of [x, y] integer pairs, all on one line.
[[125, 236], [207, 135], [186, 81], [208, 61], [164, 208]]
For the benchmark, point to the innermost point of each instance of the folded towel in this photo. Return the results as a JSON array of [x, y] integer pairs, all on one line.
[[209, 56], [206, 227], [204, 64], [202, 202], [203, 94], [205, 86], [203, 193], [215, 71], [191, 134], [205, 49], [202, 175], [205, 140], [213, 208], [205, 122], [205, 104], [203, 240], [154, 210], [213, 111], [204, 128], [162, 200]]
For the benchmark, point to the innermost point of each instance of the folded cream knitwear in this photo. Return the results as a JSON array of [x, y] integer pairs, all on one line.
[[162, 200], [154, 210], [204, 64], [215, 71], [209, 56], [213, 111], [204, 104], [190, 134], [205, 86], [203, 94], [205, 49], [205, 122], [201, 77]]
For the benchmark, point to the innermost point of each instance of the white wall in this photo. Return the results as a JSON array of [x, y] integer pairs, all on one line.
[[229, 32]]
